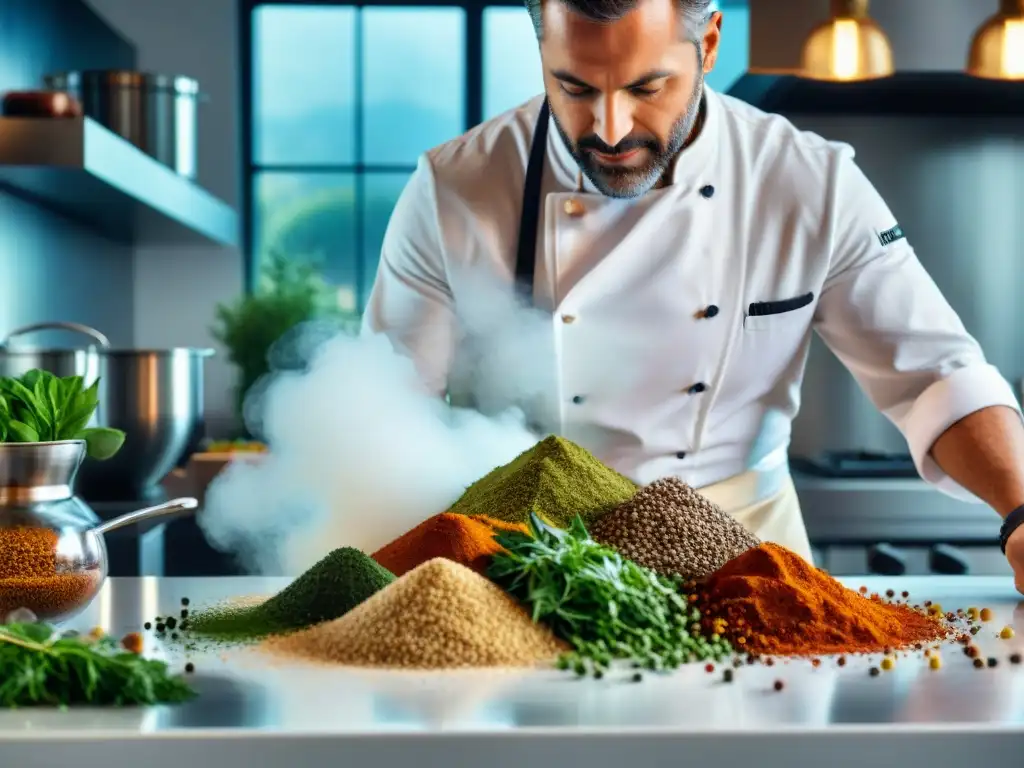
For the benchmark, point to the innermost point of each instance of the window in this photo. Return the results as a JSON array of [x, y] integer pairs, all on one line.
[[344, 99], [512, 69]]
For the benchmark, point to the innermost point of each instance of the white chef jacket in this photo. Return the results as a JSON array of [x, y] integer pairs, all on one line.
[[756, 211]]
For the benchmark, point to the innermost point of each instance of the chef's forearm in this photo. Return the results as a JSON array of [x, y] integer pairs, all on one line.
[[984, 452]]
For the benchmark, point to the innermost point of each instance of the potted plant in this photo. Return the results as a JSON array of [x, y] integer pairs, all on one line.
[[290, 291], [39, 407]]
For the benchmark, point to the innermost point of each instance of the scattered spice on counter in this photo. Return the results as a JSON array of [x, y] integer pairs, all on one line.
[[1006, 633], [874, 671], [439, 615], [727, 676], [132, 642], [934, 662], [673, 530], [555, 479], [888, 663], [329, 589], [466, 540], [1015, 658], [986, 614], [979, 663], [783, 605], [778, 685]]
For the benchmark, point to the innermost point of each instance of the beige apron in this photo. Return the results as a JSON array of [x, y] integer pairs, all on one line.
[[774, 517]]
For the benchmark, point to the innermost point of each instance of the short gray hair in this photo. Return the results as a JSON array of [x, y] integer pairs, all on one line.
[[696, 13]]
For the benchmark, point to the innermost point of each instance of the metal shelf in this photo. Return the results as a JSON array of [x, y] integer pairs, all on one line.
[[80, 170]]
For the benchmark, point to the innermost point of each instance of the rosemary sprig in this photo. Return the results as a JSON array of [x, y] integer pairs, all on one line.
[[605, 606], [42, 667]]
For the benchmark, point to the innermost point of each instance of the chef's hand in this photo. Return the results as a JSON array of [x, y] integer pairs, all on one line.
[[1015, 554]]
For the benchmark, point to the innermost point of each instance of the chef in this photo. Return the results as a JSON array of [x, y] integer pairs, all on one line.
[[695, 241]]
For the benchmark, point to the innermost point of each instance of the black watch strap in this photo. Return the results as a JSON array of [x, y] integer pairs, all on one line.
[[1013, 521]]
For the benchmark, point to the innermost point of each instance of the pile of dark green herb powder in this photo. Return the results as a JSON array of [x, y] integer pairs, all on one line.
[[556, 480], [331, 588]]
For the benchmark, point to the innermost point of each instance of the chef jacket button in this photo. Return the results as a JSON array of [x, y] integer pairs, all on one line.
[[711, 310], [707, 191], [573, 207], [568, 319], [681, 455], [578, 399], [697, 388]]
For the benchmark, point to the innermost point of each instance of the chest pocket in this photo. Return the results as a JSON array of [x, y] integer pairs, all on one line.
[[772, 346]]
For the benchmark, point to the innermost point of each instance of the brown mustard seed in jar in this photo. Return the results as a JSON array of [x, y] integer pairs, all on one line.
[[29, 576]]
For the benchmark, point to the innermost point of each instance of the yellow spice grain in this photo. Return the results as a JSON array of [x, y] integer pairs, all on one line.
[[935, 662], [1006, 633], [439, 615], [986, 614]]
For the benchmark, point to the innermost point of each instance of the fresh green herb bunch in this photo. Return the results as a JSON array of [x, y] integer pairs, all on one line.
[[40, 407], [42, 667], [606, 607]]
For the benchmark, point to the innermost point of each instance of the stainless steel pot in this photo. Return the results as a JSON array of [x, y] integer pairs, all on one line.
[[154, 396], [159, 114]]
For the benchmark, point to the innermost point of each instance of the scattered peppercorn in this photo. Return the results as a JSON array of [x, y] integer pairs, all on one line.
[[132, 642], [874, 671], [1006, 633], [184, 601], [972, 651], [159, 627], [986, 614], [184, 613], [171, 622], [905, 594], [815, 662], [1015, 658], [927, 603], [863, 590], [779, 685], [769, 662], [841, 661], [972, 612], [975, 630], [709, 668], [727, 676], [890, 593], [979, 663], [637, 677], [888, 663], [147, 625], [190, 668], [174, 635], [993, 661]]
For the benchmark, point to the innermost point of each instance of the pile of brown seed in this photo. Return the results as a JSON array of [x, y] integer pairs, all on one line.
[[673, 530], [439, 615]]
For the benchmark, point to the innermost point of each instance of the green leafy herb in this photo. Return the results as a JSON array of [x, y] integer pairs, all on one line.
[[41, 407], [606, 607], [41, 667]]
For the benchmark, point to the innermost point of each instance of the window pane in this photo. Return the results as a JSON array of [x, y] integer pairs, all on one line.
[[311, 216], [380, 191], [413, 81], [304, 84], [512, 68]]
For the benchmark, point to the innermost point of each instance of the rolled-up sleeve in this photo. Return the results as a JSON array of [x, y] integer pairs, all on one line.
[[411, 301], [886, 320]]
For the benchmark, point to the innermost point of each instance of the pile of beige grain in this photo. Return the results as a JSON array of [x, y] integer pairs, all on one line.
[[440, 615]]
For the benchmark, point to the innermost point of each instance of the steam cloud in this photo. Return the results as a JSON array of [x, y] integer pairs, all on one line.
[[361, 452]]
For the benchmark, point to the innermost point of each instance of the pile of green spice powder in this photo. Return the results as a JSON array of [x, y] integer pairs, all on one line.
[[330, 589], [556, 479]]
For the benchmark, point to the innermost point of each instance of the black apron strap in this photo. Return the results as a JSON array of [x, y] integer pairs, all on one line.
[[529, 221]]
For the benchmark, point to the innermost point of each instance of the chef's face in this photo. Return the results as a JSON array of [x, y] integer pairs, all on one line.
[[626, 94]]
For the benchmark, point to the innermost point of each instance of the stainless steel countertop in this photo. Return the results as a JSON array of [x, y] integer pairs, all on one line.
[[254, 714]]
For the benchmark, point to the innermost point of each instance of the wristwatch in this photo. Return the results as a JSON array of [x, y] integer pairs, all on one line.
[[1013, 521]]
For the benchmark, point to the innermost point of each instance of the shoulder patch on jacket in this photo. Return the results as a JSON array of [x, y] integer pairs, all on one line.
[[890, 236]]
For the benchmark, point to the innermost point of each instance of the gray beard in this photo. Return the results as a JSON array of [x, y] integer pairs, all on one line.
[[629, 183]]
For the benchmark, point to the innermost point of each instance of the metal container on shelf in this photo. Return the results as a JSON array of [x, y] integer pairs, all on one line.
[[154, 396], [159, 114]]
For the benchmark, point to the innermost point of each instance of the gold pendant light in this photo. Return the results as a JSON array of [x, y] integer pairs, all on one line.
[[997, 50], [848, 47]]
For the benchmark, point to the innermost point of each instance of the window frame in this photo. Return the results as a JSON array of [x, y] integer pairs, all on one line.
[[474, 100]]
